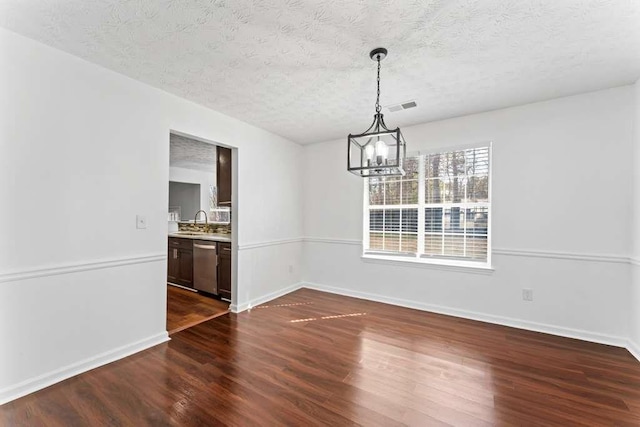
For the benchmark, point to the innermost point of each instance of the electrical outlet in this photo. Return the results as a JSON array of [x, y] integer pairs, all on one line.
[[527, 294], [141, 221], [290, 269]]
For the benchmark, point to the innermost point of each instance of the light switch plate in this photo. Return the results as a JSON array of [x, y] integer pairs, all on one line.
[[141, 221]]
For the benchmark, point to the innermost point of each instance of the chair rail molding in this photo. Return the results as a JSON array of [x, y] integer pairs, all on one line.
[[246, 246], [533, 253], [35, 272]]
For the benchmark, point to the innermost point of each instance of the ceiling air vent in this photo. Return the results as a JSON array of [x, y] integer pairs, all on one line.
[[402, 106]]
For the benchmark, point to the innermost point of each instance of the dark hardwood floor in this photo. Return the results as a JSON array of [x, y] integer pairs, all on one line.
[[312, 358], [186, 308]]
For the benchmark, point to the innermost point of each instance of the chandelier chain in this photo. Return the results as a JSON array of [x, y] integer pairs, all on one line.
[[378, 108]]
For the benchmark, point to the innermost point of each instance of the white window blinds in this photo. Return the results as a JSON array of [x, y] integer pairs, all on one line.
[[439, 210]]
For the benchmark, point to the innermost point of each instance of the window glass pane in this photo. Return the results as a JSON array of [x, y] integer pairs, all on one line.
[[376, 191], [392, 220], [376, 241], [433, 220], [410, 220], [454, 220], [477, 160], [376, 219], [478, 188], [453, 245], [432, 166], [410, 192], [433, 244], [409, 242], [392, 242], [454, 177], [392, 192], [476, 247], [477, 220], [434, 190], [411, 168], [454, 190], [477, 232]]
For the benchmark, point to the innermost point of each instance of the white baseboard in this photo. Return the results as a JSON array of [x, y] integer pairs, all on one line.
[[634, 349], [42, 381], [238, 308], [482, 317]]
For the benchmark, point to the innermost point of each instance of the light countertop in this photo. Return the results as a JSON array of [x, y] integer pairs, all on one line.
[[214, 237]]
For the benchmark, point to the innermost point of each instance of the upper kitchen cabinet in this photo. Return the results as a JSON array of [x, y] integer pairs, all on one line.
[[223, 175]]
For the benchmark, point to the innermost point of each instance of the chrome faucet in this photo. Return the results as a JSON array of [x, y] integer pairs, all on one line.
[[206, 220]]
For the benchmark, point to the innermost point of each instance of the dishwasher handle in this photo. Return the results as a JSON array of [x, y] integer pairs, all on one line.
[[209, 247]]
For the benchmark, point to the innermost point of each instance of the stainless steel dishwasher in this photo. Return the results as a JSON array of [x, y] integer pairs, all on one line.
[[205, 266]]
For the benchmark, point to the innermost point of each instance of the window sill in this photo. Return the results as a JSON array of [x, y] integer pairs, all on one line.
[[461, 266]]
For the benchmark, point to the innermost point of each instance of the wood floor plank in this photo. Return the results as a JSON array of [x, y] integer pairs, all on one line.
[[312, 358], [187, 308]]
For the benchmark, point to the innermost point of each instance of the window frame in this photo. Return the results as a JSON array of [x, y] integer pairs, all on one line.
[[420, 257]]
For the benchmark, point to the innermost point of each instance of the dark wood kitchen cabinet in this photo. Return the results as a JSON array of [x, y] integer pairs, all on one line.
[[180, 262], [224, 270], [223, 176]]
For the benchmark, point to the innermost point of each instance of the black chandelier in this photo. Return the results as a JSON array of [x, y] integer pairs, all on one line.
[[378, 151]]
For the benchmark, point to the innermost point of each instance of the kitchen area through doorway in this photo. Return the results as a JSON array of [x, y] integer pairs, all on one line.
[[199, 235]]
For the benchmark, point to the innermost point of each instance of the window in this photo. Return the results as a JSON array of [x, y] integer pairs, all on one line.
[[438, 212]]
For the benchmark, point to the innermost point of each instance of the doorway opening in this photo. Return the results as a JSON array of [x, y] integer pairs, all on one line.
[[199, 231]]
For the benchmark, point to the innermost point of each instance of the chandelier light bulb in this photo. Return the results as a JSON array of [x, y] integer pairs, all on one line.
[[370, 151], [382, 151]]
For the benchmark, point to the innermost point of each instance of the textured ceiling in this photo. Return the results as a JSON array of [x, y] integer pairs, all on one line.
[[300, 68], [191, 154]]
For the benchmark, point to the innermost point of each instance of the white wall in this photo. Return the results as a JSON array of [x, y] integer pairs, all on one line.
[[79, 285], [634, 318], [561, 220], [191, 176]]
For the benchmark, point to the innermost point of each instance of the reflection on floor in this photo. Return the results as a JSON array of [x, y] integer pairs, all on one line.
[[186, 308]]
